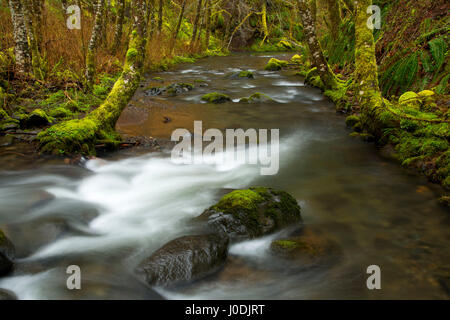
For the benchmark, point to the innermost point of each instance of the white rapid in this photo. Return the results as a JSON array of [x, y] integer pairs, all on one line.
[[142, 203]]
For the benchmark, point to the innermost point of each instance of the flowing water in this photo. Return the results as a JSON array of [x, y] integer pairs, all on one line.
[[108, 215]]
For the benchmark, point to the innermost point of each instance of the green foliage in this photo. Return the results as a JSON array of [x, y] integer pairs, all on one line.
[[438, 47], [401, 75]]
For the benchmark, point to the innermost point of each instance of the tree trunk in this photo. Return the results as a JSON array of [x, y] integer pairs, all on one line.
[[350, 5], [196, 21], [334, 14], [95, 37], [177, 29], [313, 7], [264, 21], [318, 60], [366, 72], [21, 48], [119, 25], [160, 16], [30, 23], [80, 136], [105, 22], [208, 23]]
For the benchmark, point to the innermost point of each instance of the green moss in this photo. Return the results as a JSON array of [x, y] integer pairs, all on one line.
[[275, 64], [285, 244], [285, 45], [426, 93], [60, 112], [216, 97], [352, 120], [239, 199], [246, 74], [298, 59], [409, 99], [256, 97]]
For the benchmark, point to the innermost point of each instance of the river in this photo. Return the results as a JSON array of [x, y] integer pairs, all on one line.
[[108, 215]]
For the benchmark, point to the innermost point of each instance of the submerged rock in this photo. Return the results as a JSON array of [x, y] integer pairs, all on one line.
[[7, 254], [216, 97], [7, 295], [256, 97], [275, 64], [185, 259], [309, 249], [242, 74], [171, 90], [252, 213]]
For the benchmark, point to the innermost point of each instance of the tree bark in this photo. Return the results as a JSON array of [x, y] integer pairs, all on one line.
[[208, 23], [95, 37], [177, 29], [366, 72], [30, 23], [196, 21], [21, 48], [160, 16], [318, 60], [119, 25], [334, 14]]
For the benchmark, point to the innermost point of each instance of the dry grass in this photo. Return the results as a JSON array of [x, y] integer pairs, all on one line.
[[65, 49]]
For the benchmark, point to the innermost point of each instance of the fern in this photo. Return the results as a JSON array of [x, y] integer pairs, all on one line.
[[400, 75], [438, 47], [427, 64]]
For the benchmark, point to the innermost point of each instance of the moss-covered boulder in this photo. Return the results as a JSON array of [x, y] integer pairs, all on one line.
[[285, 45], [242, 74], [60, 112], [7, 254], [184, 259], [275, 64], [409, 99], [426, 93], [38, 118], [252, 212], [178, 88], [6, 122], [298, 59], [216, 97], [352, 120], [256, 98], [309, 249]]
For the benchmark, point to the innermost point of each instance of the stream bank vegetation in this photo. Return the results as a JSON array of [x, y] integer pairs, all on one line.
[[64, 89]]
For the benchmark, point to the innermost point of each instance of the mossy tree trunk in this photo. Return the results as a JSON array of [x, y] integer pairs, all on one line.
[[177, 28], [196, 22], [120, 4], [95, 37], [21, 47], [318, 60], [366, 71], [80, 136], [264, 20], [334, 14]]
